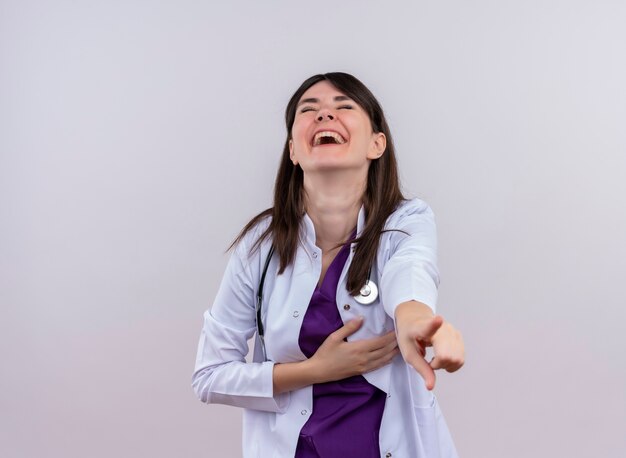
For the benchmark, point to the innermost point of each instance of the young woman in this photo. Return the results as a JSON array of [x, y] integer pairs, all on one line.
[[339, 282]]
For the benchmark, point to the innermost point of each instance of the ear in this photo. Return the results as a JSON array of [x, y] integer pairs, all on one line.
[[377, 146], [291, 155]]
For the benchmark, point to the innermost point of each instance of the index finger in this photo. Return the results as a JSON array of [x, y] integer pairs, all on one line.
[[430, 328]]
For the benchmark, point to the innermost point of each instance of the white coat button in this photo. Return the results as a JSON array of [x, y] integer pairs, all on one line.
[[315, 254], [346, 306], [388, 455], [304, 412], [296, 314]]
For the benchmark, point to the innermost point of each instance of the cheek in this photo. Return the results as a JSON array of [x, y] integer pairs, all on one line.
[[296, 133], [359, 136], [359, 126]]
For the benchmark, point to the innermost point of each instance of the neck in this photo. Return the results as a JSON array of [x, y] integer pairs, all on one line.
[[333, 201]]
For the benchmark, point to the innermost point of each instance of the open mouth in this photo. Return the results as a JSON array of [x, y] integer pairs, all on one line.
[[328, 138]]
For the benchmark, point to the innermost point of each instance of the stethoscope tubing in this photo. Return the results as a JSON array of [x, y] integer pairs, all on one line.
[[367, 296]]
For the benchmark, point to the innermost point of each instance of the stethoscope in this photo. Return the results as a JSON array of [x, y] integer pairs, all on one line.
[[367, 296]]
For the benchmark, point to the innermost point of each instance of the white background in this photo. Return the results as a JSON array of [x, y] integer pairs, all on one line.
[[137, 137]]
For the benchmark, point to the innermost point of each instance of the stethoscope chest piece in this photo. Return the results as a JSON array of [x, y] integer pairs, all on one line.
[[368, 293]]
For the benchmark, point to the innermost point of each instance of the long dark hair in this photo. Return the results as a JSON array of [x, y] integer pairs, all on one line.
[[381, 197]]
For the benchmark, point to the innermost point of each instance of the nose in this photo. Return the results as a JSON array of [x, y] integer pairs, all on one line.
[[324, 114]]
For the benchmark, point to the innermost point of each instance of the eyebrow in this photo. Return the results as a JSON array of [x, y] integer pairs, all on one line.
[[339, 98]]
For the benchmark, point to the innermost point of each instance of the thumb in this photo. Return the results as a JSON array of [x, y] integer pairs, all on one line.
[[422, 367], [349, 328]]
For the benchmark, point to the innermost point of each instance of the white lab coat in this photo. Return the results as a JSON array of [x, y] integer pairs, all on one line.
[[405, 269]]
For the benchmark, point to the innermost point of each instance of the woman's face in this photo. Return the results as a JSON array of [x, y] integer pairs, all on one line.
[[332, 132]]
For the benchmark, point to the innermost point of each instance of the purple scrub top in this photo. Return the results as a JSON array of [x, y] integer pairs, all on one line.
[[347, 413]]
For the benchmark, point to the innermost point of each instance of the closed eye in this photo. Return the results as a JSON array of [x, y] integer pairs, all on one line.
[[345, 107], [305, 109]]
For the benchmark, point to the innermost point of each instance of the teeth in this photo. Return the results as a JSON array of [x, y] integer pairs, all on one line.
[[317, 140]]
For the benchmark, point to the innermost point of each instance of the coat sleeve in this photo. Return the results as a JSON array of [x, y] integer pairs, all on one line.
[[410, 272], [222, 374]]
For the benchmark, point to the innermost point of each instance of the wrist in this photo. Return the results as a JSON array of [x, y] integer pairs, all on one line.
[[315, 373], [412, 310], [292, 376]]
